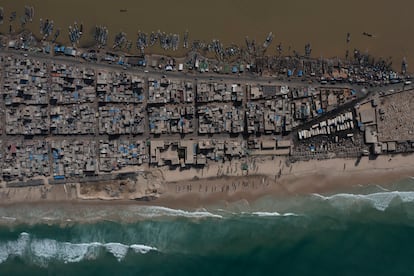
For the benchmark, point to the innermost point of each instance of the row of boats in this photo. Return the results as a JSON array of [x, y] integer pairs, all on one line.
[[120, 41], [166, 41], [26, 17], [216, 47], [75, 32], [46, 27], [251, 44], [101, 35]]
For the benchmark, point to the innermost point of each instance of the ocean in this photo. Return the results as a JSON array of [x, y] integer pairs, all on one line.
[[368, 230]]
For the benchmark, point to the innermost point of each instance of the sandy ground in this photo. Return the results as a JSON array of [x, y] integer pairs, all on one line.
[[267, 176], [228, 182]]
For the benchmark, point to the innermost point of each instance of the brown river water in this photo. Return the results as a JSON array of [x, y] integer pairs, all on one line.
[[323, 23]]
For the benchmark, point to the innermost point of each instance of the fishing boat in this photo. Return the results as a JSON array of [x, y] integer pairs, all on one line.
[[268, 40], [1, 15], [153, 39], [41, 26], [367, 34], [185, 45], [12, 16], [308, 50], [279, 49], [57, 33], [28, 13], [101, 35], [404, 66]]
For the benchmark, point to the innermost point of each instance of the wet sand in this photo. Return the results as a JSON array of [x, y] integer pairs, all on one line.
[[193, 189], [294, 23]]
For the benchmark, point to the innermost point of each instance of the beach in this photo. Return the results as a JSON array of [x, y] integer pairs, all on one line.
[[320, 214], [226, 182], [241, 233]]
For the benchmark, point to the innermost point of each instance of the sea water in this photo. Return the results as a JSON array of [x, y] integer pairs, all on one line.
[[366, 231]]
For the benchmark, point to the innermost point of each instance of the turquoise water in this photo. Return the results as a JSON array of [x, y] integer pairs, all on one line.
[[367, 232]]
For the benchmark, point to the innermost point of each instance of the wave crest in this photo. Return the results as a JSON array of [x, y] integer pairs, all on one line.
[[380, 201], [273, 214], [41, 251], [158, 211]]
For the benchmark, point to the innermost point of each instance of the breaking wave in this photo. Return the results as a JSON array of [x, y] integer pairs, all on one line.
[[158, 211], [380, 201], [41, 251], [273, 214]]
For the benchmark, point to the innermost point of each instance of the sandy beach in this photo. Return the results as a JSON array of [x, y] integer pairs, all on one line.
[[275, 177], [227, 182]]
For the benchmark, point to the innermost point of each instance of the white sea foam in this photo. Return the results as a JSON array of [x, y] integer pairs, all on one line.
[[158, 211], [119, 250], [9, 219], [41, 251], [266, 214], [273, 214], [379, 201], [143, 249]]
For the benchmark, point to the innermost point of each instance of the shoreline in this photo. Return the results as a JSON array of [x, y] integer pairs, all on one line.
[[182, 191], [220, 27]]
